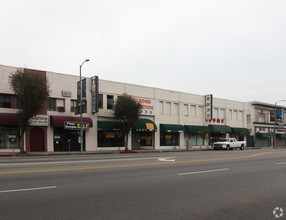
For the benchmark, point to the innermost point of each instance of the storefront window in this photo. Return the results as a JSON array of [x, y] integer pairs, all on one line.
[[67, 140], [9, 138], [169, 139], [146, 139], [110, 139], [197, 140]]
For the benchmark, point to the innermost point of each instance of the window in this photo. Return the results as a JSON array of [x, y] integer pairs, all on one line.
[[73, 105], [261, 117], [193, 111], [9, 138], [100, 101], [168, 108], [248, 118], [51, 104], [110, 101], [169, 139], [186, 110], [176, 108], [200, 111], [215, 115], [5, 101], [15, 102]]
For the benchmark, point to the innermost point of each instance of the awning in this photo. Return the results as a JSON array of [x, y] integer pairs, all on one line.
[[8, 119], [263, 135], [145, 125], [195, 128], [217, 129], [58, 121], [109, 125], [171, 128], [238, 130]]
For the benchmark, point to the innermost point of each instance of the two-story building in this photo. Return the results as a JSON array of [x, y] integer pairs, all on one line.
[[169, 119]]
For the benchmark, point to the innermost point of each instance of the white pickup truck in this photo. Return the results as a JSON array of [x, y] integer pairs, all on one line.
[[229, 143]]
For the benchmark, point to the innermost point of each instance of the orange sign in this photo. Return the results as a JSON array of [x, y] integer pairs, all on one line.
[[150, 126]]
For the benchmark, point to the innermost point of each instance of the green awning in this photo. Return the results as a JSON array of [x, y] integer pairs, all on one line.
[[238, 130], [109, 125], [263, 135], [171, 128], [195, 128], [145, 125], [217, 129]]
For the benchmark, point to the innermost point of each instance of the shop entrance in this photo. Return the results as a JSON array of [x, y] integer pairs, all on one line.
[[37, 140], [67, 140]]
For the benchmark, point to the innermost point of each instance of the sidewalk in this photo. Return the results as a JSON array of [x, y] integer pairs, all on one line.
[[11, 154]]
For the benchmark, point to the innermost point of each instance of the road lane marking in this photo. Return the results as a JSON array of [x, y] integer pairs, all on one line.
[[133, 165], [166, 159], [204, 171], [29, 189], [75, 161], [281, 163]]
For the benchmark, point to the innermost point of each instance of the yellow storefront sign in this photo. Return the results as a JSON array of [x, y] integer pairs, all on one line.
[[150, 126]]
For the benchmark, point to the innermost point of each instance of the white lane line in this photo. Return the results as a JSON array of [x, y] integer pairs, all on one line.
[[29, 189], [75, 161], [166, 159], [205, 171], [281, 163]]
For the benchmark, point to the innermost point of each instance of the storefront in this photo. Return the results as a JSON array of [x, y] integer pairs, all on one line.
[[9, 132], [239, 133], [218, 132], [143, 134], [170, 134], [195, 135], [110, 134], [67, 132]]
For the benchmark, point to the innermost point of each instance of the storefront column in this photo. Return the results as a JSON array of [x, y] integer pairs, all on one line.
[[181, 136], [157, 139]]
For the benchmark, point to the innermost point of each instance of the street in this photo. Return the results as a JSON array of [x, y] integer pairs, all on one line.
[[235, 184]]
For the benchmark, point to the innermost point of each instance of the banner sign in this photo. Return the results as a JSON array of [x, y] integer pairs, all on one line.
[[94, 94], [147, 105], [83, 90], [209, 107], [71, 125], [39, 120]]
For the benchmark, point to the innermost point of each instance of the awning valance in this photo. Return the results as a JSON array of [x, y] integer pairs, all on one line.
[[195, 128], [171, 128], [8, 119], [238, 130], [145, 125], [59, 121], [217, 129], [109, 125]]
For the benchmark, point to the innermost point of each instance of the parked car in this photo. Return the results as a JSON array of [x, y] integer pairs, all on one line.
[[229, 143]]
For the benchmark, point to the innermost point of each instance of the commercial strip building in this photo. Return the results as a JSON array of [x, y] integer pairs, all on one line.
[[169, 119]]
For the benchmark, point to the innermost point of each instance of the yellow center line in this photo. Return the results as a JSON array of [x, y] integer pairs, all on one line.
[[135, 165]]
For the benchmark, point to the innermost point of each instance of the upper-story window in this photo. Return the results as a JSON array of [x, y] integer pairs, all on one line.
[[73, 105], [51, 104], [110, 101], [261, 117], [5, 101], [100, 101]]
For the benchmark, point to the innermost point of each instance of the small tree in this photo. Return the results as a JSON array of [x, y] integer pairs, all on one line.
[[126, 110], [31, 90]]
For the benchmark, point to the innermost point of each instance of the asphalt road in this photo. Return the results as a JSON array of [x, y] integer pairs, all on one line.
[[234, 184]]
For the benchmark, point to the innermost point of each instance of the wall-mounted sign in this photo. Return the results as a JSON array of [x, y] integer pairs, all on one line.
[[94, 94], [39, 120], [147, 105], [209, 107], [71, 125], [66, 93]]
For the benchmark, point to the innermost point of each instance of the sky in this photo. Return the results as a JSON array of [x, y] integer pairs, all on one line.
[[233, 49]]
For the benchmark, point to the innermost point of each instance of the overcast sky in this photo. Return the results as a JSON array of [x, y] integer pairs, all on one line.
[[233, 49]]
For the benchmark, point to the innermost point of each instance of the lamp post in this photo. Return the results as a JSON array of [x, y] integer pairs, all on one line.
[[80, 106], [276, 121]]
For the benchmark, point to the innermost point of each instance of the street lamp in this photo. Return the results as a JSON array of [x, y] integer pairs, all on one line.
[[276, 121], [80, 106]]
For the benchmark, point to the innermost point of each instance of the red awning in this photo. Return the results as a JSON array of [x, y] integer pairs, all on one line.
[[58, 121], [8, 119]]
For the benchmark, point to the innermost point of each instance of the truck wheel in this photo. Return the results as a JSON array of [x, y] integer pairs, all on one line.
[[227, 147], [242, 147]]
